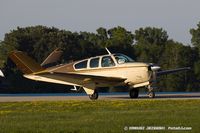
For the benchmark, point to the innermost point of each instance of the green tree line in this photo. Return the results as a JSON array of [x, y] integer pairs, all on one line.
[[148, 44]]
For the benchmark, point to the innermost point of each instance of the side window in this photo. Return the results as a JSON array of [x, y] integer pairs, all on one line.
[[94, 63], [121, 59], [81, 65], [107, 61]]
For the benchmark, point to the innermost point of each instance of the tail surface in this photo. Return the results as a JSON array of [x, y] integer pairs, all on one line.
[[53, 57], [25, 63]]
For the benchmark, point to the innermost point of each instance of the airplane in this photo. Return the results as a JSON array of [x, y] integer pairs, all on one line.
[[109, 70]]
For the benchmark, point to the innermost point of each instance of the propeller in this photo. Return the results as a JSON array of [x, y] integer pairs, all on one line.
[[156, 71], [154, 68]]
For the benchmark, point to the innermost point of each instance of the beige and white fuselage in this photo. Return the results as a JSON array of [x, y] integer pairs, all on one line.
[[135, 73]]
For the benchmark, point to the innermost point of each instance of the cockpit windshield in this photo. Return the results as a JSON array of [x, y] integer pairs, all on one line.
[[120, 58]]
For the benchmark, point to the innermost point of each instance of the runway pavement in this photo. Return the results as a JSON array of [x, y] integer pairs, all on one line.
[[102, 96]]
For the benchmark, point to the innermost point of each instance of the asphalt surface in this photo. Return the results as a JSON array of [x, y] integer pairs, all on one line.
[[102, 96]]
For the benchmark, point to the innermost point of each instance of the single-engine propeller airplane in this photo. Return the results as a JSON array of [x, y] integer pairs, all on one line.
[[108, 70]]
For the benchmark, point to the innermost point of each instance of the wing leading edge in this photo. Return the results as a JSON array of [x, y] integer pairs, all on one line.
[[82, 78]]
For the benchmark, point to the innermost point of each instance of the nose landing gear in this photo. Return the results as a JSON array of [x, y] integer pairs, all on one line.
[[151, 92]]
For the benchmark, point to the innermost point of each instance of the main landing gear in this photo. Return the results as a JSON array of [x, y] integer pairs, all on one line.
[[94, 96], [133, 93]]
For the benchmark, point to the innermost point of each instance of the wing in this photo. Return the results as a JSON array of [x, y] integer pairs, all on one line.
[[88, 82], [80, 78], [159, 73]]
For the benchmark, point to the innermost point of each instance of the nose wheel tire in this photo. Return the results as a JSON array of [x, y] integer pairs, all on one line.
[[151, 94], [94, 96], [134, 93]]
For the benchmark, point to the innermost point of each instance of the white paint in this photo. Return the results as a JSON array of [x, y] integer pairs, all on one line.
[[44, 79], [74, 89], [1, 74]]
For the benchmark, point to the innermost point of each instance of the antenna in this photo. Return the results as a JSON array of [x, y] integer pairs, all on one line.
[[108, 51]]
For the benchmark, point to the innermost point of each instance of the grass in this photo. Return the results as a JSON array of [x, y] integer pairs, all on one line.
[[97, 116]]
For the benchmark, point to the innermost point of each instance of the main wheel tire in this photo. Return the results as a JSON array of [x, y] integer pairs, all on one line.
[[94, 96], [151, 94], [134, 93]]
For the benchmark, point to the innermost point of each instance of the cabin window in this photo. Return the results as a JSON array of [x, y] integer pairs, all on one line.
[[107, 61], [94, 62], [81, 65], [120, 58]]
